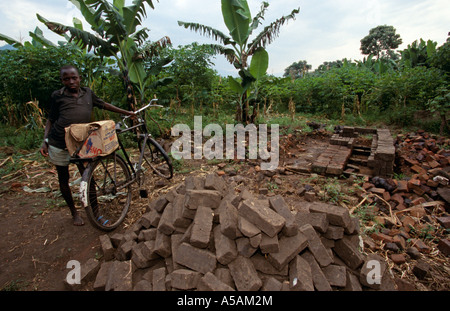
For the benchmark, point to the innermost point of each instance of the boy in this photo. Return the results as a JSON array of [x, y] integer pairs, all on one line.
[[70, 105]]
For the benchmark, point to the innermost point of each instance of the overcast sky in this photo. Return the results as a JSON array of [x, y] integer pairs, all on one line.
[[325, 30]]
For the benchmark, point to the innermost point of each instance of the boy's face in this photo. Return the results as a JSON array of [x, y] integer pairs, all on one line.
[[71, 79]]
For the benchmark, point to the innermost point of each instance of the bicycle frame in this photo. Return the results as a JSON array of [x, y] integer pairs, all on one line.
[[141, 125]]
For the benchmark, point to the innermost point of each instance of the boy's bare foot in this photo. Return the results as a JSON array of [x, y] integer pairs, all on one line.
[[77, 220]]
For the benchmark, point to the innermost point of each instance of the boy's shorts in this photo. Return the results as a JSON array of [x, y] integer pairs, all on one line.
[[59, 157]]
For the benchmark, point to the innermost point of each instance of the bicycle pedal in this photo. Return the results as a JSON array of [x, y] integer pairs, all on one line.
[[143, 193]]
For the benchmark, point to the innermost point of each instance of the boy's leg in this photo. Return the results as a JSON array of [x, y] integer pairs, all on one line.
[[63, 177]]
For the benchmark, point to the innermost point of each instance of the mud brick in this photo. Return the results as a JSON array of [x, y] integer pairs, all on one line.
[[289, 248], [159, 280], [102, 276], [148, 250], [170, 196], [107, 247], [421, 246], [315, 246], [247, 228], [263, 265], [123, 252], [197, 259], [334, 233], [271, 284], [319, 279], [285, 286], [202, 226], [335, 169], [444, 221], [119, 276], [143, 286], [147, 218], [418, 169], [414, 185], [187, 212], [319, 221], [186, 237], [207, 198], [367, 276], [256, 240], [244, 248], [162, 245], [184, 279], [379, 191], [319, 167], [444, 247], [278, 204], [215, 182], [88, 272], [159, 204], [175, 241], [116, 239], [397, 198], [300, 276], [138, 258], [398, 258], [149, 234], [194, 183], [228, 219], [336, 275], [178, 208], [402, 186], [224, 275], [166, 222], [210, 282], [353, 283], [226, 250], [244, 274], [310, 196], [421, 269], [129, 236], [267, 220], [269, 244], [348, 253], [336, 215], [444, 192]]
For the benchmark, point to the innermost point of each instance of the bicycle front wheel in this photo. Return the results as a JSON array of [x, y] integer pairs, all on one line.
[[157, 159], [107, 192]]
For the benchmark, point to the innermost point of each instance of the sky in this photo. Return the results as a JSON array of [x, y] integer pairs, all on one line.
[[326, 30]]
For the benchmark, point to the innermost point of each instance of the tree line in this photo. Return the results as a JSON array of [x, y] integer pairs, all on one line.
[[124, 67]]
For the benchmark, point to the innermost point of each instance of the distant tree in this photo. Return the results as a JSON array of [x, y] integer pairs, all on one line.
[[441, 59], [297, 70], [381, 41], [418, 53], [248, 56]]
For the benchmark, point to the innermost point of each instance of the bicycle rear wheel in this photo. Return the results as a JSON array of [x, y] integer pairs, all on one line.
[[106, 192], [156, 159]]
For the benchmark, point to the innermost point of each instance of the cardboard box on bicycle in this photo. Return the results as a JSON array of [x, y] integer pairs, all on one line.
[[95, 139]]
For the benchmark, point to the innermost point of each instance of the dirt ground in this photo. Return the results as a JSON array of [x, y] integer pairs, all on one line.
[[38, 238]]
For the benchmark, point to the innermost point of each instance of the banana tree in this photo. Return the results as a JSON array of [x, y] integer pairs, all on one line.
[[116, 35], [238, 47]]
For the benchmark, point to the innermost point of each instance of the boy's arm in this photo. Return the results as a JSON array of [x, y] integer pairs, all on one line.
[[118, 110], [44, 147]]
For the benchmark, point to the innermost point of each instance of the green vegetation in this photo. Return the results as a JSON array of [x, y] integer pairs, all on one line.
[[408, 88]]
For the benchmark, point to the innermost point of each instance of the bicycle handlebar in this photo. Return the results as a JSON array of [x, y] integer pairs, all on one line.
[[150, 104]]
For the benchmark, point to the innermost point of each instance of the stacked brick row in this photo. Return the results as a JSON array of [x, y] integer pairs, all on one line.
[[203, 236], [382, 157], [332, 161]]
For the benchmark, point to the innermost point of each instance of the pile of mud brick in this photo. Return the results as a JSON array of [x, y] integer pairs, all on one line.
[[382, 156], [204, 235]]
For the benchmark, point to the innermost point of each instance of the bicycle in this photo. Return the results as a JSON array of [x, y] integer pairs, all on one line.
[[105, 188]]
